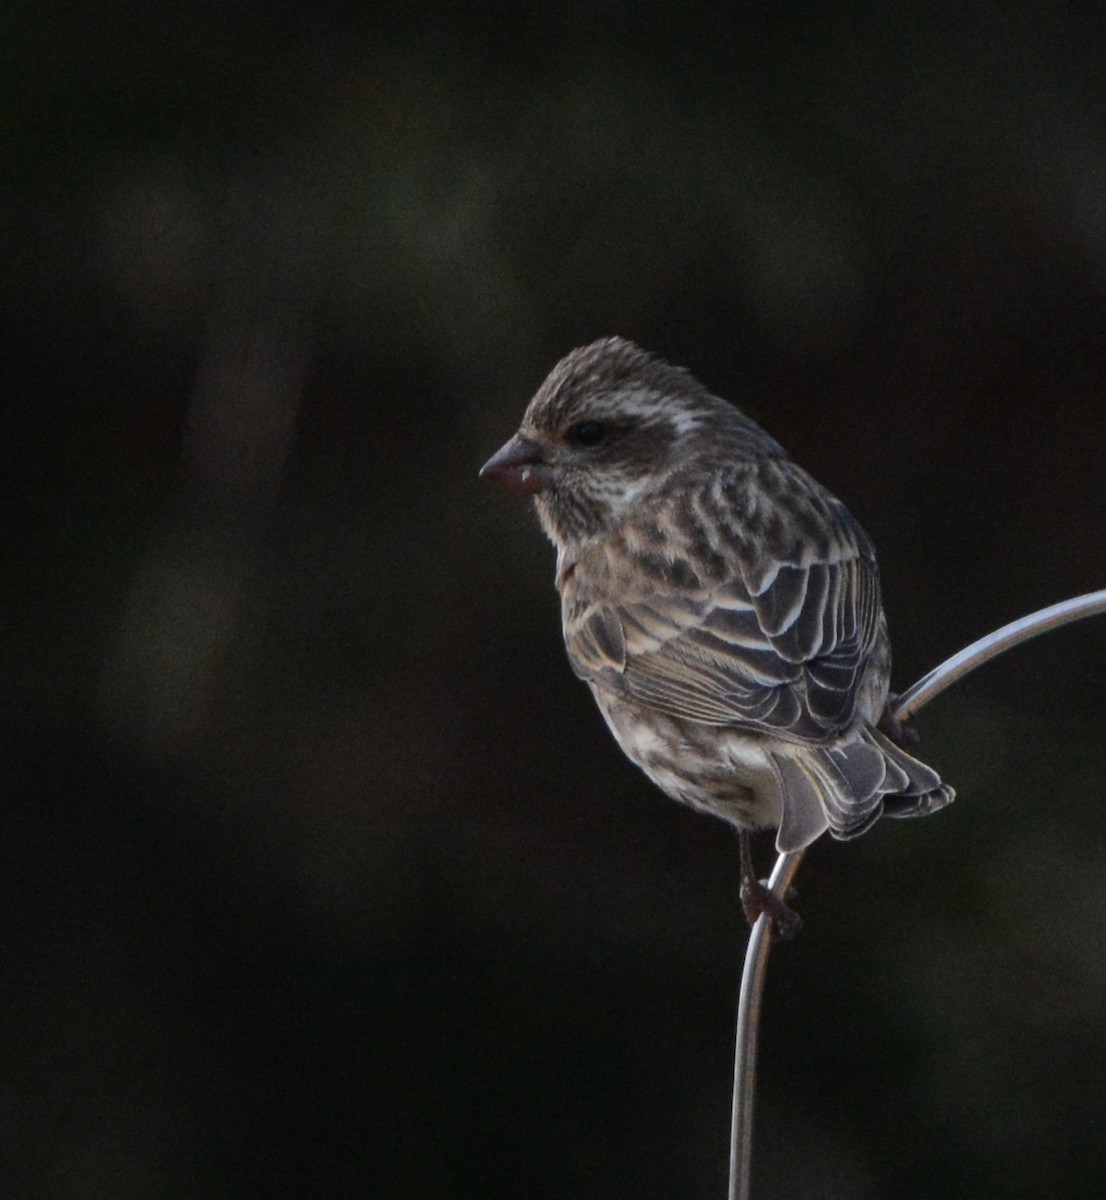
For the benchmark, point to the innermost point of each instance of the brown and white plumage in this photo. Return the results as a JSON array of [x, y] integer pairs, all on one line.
[[723, 607]]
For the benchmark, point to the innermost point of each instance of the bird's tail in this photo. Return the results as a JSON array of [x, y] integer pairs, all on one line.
[[847, 787]]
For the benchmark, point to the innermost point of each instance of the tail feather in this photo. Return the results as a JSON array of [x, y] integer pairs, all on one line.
[[846, 788]]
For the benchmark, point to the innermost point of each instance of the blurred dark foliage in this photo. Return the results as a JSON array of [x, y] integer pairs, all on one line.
[[320, 873]]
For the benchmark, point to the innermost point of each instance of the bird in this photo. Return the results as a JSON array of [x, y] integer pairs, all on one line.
[[722, 606]]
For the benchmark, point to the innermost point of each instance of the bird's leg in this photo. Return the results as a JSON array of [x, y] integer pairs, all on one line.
[[758, 898]]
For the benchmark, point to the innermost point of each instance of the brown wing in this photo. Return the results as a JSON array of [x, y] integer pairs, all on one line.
[[781, 646]]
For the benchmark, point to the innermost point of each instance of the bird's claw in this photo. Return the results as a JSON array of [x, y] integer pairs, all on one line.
[[758, 899], [900, 730]]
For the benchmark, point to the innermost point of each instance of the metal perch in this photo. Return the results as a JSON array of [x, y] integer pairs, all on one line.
[[760, 938]]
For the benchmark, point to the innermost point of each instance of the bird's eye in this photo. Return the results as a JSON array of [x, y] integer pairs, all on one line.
[[587, 433]]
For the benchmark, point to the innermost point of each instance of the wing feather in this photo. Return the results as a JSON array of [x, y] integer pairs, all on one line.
[[781, 645]]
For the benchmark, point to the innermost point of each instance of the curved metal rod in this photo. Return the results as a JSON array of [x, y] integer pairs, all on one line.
[[995, 644], [760, 937], [748, 1030]]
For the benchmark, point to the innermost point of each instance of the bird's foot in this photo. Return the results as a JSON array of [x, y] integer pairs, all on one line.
[[900, 730], [758, 899]]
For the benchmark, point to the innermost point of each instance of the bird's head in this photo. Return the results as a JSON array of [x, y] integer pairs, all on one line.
[[607, 429]]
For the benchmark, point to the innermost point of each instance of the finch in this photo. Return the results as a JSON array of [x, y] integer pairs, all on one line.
[[723, 606]]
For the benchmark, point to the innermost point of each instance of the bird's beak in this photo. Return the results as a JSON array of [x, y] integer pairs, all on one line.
[[519, 467]]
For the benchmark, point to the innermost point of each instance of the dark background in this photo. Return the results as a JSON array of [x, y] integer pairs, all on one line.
[[320, 874]]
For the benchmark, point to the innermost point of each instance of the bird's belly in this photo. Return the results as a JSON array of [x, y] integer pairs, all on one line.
[[721, 771]]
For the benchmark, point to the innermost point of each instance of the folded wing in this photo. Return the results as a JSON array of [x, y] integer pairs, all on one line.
[[780, 646]]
